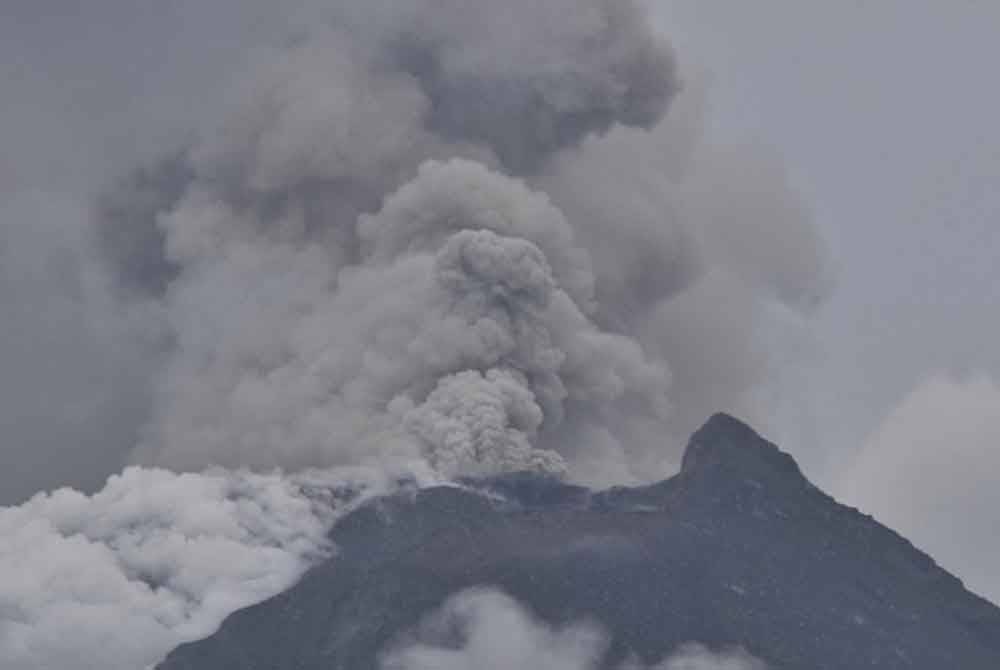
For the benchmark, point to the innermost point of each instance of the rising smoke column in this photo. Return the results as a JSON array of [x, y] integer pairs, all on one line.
[[355, 267], [453, 233]]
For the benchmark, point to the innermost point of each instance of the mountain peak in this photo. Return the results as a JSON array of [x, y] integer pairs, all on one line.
[[728, 443], [738, 550]]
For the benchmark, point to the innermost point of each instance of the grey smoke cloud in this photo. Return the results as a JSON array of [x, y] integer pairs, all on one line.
[[351, 114], [524, 78], [445, 238], [283, 264], [331, 274], [482, 628], [340, 375]]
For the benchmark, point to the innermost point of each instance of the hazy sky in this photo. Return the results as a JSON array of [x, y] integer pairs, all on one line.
[[884, 115]]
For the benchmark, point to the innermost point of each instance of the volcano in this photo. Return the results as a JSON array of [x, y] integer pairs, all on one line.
[[738, 550]]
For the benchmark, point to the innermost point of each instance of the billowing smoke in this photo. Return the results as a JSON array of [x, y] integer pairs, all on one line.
[[357, 266], [458, 234], [459, 338], [441, 237], [480, 628]]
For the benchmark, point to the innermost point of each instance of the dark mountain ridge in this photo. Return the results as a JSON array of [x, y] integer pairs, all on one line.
[[738, 549]]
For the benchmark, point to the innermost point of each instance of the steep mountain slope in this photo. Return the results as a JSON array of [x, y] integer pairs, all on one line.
[[737, 549]]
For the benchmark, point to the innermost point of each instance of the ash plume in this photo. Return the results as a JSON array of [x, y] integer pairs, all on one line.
[[117, 579], [409, 201]]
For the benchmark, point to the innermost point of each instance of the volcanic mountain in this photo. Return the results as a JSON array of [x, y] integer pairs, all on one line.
[[737, 550]]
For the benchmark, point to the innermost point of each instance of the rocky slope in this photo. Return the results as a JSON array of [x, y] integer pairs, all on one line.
[[737, 549]]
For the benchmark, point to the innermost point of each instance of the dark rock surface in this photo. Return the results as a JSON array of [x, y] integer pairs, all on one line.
[[737, 549]]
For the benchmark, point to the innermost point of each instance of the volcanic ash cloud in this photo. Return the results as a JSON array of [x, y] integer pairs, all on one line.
[[412, 205]]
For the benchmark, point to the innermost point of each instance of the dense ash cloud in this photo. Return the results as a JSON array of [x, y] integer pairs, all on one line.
[[275, 292], [523, 78], [465, 269], [481, 628], [418, 237]]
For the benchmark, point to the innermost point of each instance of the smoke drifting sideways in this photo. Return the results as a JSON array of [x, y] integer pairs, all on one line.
[[482, 628], [430, 240]]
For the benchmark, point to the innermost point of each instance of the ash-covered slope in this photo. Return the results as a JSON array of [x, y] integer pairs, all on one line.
[[737, 549]]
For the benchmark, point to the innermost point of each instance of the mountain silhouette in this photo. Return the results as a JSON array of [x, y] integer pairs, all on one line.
[[737, 549]]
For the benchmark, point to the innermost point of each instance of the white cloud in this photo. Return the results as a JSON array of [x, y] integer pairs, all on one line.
[[931, 471], [482, 629], [115, 580]]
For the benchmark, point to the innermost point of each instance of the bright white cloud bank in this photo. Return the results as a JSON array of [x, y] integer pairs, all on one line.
[[114, 581]]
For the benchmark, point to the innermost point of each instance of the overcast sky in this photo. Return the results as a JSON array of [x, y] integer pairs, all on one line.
[[883, 113]]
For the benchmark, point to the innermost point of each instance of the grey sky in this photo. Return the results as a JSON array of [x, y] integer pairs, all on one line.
[[884, 114]]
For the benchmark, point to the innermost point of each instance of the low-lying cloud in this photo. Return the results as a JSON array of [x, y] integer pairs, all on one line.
[[484, 629], [443, 238]]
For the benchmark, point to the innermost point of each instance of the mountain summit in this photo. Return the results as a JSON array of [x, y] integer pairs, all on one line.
[[739, 549]]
